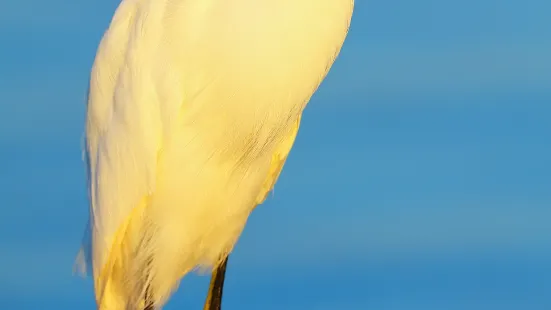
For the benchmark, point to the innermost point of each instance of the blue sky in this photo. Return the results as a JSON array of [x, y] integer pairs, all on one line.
[[420, 178]]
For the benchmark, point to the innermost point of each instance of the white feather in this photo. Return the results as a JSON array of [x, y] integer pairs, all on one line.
[[192, 110]]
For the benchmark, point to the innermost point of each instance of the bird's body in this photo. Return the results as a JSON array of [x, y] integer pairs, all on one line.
[[193, 108]]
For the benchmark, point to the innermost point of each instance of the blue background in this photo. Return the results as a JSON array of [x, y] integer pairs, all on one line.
[[420, 179]]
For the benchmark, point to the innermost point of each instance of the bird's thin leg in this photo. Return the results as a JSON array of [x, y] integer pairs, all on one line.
[[216, 287]]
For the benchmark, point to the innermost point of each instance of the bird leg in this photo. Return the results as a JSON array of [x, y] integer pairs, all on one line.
[[214, 297]]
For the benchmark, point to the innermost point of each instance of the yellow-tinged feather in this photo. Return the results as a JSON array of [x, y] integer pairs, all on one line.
[[193, 108], [278, 160]]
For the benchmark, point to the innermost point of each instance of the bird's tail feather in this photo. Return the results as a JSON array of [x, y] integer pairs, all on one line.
[[123, 281]]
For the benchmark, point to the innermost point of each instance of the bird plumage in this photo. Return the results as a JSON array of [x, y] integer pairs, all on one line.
[[193, 108]]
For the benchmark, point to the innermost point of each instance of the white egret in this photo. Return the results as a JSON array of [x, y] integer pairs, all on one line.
[[192, 109]]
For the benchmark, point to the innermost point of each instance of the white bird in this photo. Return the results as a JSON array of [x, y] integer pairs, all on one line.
[[193, 107]]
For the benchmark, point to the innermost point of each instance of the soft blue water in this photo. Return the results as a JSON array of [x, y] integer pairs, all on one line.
[[420, 178]]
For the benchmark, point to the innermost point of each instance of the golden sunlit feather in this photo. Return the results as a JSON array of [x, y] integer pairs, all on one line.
[[193, 108]]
